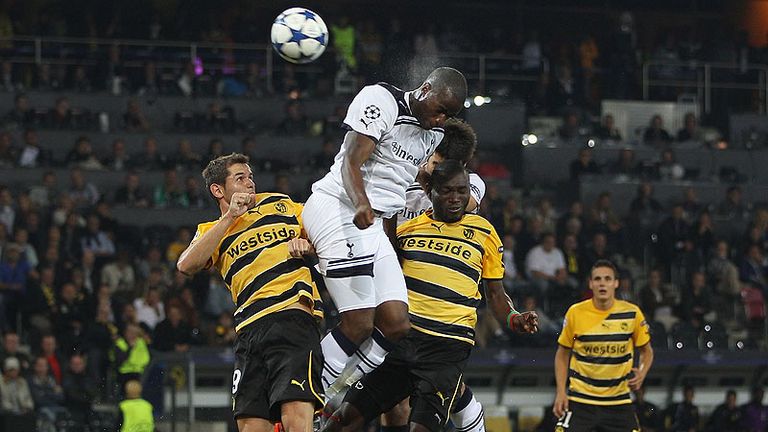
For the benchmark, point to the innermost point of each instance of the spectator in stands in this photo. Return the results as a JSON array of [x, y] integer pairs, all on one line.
[[672, 234], [754, 269], [187, 83], [506, 214], [45, 79], [134, 119], [79, 390], [40, 302], [149, 84], [223, 332], [726, 416], [150, 309], [573, 262], [100, 339], [119, 275], [254, 80], [546, 270], [32, 155], [73, 312], [602, 215], [13, 280], [9, 154], [625, 165], [48, 396], [514, 283], [583, 165], [131, 193], [644, 207], [725, 277], [80, 80], [703, 235], [597, 250], [150, 159], [97, 240], [7, 209], [49, 350], [696, 305], [571, 128], [295, 122], [563, 93], [185, 159], [60, 117], [173, 333], [28, 253], [131, 355], [668, 168], [84, 194], [14, 391], [684, 416], [184, 299], [45, 194], [754, 414], [691, 205], [656, 300], [733, 207], [112, 71], [655, 135], [608, 130], [322, 160], [11, 348], [82, 155], [118, 160], [22, 114], [196, 196], [219, 119], [648, 415], [153, 261], [215, 149], [690, 130], [169, 193]]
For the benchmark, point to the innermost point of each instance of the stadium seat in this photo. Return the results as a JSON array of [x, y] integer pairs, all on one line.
[[659, 337], [684, 336]]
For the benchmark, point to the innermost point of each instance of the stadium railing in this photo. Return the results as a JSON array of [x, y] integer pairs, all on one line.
[[702, 78], [485, 72]]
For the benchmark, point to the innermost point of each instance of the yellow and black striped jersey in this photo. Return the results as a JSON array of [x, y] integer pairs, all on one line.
[[254, 262], [443, 264], [603, 344]]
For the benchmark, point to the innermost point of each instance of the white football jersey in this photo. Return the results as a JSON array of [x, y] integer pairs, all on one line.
[[417, 201], [383, 113]]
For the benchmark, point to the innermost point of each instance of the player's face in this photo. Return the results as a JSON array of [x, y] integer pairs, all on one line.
[[603, 283], [239, 179], [450, 199], [433, 109]]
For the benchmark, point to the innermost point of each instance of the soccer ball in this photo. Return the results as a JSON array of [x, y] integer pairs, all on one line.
[[299, 35]]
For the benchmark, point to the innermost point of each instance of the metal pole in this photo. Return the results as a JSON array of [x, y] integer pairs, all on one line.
[[481, 64], [645, 81], [38, 51], [173, 405], [707, 88], [190, 393], [270, 69]]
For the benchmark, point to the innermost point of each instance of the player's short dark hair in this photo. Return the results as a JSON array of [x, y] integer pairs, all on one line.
[[607, 264], [216, 171], [459, 142], [449, 80], [445, 171]]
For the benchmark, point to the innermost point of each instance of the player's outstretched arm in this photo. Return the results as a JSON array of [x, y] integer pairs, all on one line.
[[198, 254], [562, 357], [503, 309], [358, 149]]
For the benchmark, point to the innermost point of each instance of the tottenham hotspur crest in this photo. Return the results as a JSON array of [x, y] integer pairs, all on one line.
[[350, 254]]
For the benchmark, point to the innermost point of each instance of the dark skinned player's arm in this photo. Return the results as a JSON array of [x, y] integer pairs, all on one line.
[[498, 300]]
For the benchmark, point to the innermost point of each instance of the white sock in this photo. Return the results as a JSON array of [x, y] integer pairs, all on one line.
[[468, 414], [367, 357], [337, 349]]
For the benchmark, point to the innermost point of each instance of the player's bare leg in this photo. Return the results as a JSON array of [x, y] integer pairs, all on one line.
[[357, 325], [297, 416], [254, 424], [392, 320], [396, 419], [345, 419]]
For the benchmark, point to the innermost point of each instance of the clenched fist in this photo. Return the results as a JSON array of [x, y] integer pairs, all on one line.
[[239, 204], [364, 216]]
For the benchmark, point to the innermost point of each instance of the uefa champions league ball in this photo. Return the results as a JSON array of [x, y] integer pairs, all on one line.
[[299, 35]]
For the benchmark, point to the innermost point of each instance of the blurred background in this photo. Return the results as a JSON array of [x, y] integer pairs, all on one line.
[[628, 130]]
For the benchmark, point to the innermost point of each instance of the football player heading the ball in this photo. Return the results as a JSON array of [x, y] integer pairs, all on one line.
[[350, 216]]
